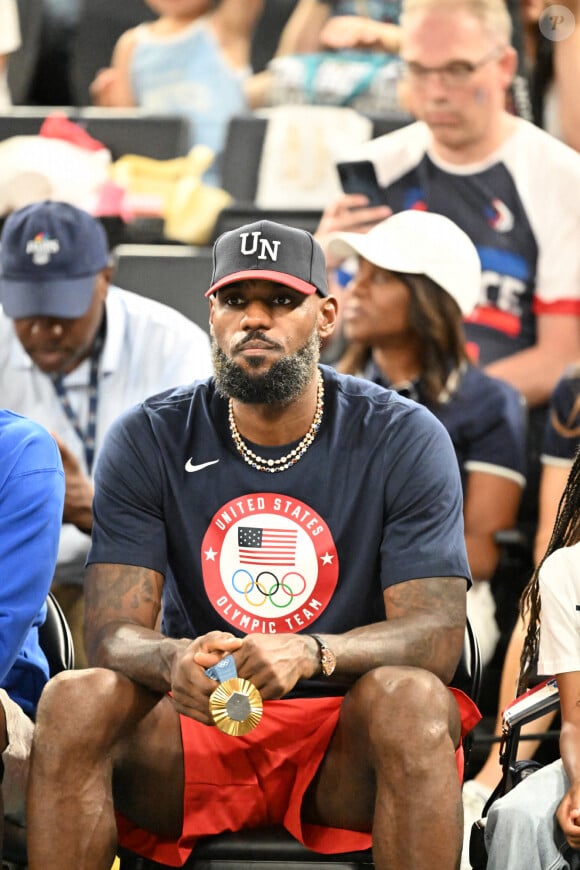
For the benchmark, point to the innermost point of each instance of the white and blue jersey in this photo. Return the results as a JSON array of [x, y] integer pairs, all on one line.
[[376, 500], [521, 209]]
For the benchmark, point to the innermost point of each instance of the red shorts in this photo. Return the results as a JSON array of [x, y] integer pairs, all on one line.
[[259, 780]]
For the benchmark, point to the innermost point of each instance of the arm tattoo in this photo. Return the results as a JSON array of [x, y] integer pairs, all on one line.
[[122, 593]]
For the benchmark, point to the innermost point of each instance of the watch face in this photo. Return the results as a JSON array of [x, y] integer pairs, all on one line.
[[328, 661]]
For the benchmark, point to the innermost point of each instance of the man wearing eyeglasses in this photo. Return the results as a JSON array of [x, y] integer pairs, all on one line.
[[513, 188]]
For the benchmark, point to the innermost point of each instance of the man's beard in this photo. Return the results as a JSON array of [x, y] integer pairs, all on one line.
[[281, 384]]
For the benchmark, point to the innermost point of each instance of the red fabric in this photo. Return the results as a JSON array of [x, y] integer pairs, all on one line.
[[503, 321], [559, 306], [472, 352], [58, 126], [260, 779]]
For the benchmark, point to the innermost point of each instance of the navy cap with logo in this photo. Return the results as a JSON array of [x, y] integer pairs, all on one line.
[[50, 254], [268, 251]]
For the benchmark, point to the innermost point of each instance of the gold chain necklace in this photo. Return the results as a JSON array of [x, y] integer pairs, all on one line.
[[285, 462]]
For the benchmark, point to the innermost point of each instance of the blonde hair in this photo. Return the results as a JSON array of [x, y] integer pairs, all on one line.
[[493, 14]]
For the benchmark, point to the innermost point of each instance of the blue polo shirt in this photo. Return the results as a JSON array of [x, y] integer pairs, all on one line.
[[31, 502]]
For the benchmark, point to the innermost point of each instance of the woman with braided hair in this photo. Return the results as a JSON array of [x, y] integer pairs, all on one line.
[[566, 533], [560, 442], [536, 826]]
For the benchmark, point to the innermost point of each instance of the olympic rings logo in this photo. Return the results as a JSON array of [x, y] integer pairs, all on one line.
[[279, 593]]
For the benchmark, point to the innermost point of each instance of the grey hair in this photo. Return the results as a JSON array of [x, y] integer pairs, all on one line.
[[493, 14]]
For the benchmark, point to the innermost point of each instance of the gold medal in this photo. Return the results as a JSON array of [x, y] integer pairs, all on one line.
[[236, 706]]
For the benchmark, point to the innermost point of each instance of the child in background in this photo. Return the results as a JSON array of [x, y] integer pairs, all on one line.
[[193, 60]]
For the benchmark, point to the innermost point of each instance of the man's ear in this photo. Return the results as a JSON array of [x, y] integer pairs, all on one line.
[[509, 65], [327, 316], [103, 281]]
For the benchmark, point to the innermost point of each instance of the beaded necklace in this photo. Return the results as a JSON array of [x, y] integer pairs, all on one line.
[[290, 459]]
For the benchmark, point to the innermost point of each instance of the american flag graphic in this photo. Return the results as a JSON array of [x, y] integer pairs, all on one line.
[[266, 546]]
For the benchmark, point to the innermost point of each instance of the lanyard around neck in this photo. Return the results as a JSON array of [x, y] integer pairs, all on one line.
[[88, 434]]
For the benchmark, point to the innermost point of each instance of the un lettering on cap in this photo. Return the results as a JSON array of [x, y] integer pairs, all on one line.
[[265, 249], [268, 251]]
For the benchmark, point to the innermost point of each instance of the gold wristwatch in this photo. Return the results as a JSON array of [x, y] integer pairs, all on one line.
[[327, 657]]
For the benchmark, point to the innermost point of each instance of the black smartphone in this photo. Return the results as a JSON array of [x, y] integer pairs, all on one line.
[[359, 176]]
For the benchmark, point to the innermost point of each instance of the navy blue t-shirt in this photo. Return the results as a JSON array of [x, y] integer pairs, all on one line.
[[485, 418], [375, 500], [562, 433]]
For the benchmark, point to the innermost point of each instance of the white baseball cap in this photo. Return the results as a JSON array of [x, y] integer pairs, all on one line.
[[419, 243]]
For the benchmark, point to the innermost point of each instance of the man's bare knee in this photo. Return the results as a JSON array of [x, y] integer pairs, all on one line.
[[404, 712], [105, 705]]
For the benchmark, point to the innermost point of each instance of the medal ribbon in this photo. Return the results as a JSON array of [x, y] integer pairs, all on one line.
[[225, 669]]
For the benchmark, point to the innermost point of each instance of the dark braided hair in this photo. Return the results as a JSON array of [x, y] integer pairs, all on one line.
[[566, 532]]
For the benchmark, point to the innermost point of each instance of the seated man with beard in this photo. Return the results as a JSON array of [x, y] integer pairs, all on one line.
[[304, 532]]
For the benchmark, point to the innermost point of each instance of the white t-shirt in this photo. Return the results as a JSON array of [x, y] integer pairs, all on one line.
[[560, 616]]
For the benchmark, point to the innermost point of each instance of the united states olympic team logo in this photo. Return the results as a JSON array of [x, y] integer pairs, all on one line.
[[269, 563]]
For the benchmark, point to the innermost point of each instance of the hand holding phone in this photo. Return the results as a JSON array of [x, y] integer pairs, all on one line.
[[359, 176]]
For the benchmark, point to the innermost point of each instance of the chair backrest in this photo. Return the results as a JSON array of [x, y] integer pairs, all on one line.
[[22, 63], [233, 216], [268, 30], [244, 143], [99, 26], [468, 674], [126, 131], [56, 639], [177, 275]]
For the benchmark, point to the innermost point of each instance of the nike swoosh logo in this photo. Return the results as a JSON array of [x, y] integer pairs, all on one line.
[[189, 466]]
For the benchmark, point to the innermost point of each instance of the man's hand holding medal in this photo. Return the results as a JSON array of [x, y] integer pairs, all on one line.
[[247, 670]]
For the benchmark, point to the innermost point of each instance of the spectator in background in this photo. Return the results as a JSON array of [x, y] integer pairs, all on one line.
[[417, 273], [336, 24], [315, 25], [338, 27], [75, 353], [552, 66], [9, 42], [193, 60], [31, 502], [468, 159], [536, 824], [561, 443]]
